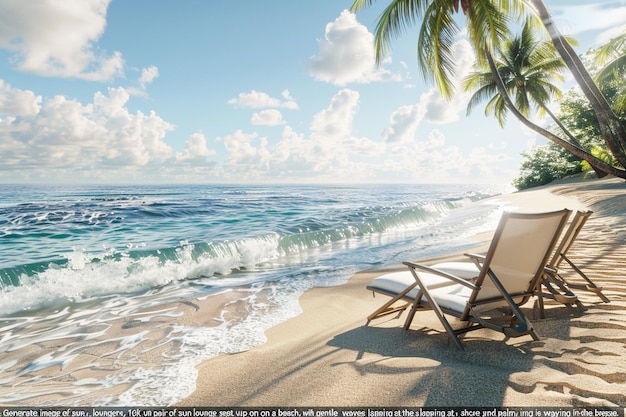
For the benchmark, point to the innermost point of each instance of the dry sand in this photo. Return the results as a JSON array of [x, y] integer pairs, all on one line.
[[328, 357]]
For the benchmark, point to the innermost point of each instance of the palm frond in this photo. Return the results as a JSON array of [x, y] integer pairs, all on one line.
[[551, 68], [518, 9], [483, 93], [393, 22], [612, 49], [620, 103], [488, 25], [360, 5], [613, 70], [435, 41], [500, 110], [476, 80]]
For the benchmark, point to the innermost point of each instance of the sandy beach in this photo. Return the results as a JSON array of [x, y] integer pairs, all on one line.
[[326, 356]]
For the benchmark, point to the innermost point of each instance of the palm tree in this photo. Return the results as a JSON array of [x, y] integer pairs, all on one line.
[[488, 26], [612, 129], [612, 56], [527, 68], [601, 166]]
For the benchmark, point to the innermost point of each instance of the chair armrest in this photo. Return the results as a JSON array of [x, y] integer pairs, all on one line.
[[477, 259], [443, 274]]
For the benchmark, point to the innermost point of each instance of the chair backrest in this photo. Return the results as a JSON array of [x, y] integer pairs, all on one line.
[[519, 251], [579, 220]]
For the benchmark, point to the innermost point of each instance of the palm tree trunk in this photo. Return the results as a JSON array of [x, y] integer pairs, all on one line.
[[556, 120], [572, 139], [611, 127], [596, 163]]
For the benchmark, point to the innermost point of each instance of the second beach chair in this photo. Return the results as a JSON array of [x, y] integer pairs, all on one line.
[[554, 277]]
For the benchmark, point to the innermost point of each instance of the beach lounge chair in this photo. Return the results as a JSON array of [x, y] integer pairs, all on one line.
[[509, 275], [558, 287]]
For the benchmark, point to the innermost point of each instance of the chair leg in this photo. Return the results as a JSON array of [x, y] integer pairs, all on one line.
[[435, 307], [386, 308], [533, 334], [542, 313], [446, 324], [598, 292], [591, 286], [409, 317]]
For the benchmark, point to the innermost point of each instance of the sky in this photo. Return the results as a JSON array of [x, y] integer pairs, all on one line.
[[263, 92]]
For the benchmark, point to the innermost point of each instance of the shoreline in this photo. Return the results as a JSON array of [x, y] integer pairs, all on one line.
[[327, 357]]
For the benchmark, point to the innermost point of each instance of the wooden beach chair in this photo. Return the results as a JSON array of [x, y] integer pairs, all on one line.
[[508, 277], [558, 287]]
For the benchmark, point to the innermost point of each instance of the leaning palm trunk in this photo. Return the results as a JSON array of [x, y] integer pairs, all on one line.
[[611, 128], [599, 172], [558, 122], [596, 163]]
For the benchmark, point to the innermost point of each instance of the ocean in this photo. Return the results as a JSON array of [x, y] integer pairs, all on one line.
[[75, 259]]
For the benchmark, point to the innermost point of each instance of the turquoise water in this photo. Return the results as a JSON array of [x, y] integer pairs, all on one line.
[[81, 255]]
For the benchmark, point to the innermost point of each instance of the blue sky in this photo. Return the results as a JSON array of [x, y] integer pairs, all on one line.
[[199, 91]]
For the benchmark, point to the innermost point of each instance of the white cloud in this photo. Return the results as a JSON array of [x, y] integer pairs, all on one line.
[[575, 19], [255, 100], [293, 154], [464, 59], [334, 145], [148, 75], [64, 138], [251, 159], [438, 109], [17, 102], [329, 153], [239, 146], [404, 122], [486, 161], [335, 122], [289, 103], [435, 160], [259, 100], [271, 117], [196, 151], [609, 34], [68, 135], [408, 77], [56, 38], [347, 54]]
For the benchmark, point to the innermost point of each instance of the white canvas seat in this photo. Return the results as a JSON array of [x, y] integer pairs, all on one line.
[[465, 270], [402, 285]]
